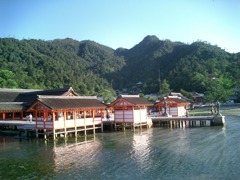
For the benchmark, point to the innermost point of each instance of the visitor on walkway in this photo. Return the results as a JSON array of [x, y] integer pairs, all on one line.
[[30, 117]]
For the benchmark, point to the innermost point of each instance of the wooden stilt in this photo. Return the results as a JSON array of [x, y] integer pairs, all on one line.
[[102, 127], [85, 130], [75, 132], [65, 132], [93, 128], [45, 134], [36, 133], [54, 135]]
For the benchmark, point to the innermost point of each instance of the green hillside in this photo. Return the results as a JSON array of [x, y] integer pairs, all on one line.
[[94, 69]]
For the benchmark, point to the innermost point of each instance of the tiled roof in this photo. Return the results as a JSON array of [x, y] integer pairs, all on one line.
[[10, 95], [71, 102], [137, 100], [12, 106], [30, 95], [177, 100], [133, 99]]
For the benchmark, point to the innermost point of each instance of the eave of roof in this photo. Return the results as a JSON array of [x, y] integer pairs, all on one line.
[[177, 100], [138, 101], [135, 100], [71, 102], [12, 106]]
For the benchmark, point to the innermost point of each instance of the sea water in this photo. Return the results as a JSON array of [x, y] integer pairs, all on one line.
[[155, 153]]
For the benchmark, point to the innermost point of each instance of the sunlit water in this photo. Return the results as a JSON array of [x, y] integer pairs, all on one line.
[[156, 153]]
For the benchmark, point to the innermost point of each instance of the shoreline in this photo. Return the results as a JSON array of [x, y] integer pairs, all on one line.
[[229, 108]]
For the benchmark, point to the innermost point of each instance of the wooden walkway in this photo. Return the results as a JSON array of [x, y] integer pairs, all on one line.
[[18, 127], [18, 124], [29, 128], [180, 122]]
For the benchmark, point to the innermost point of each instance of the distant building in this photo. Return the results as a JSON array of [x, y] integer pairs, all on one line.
[[234, 97], [197, 97], [176, 106]]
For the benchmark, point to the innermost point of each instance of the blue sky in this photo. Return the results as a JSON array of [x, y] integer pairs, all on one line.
[[123, 23]]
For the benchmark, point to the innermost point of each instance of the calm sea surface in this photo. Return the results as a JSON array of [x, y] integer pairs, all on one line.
[[156, 153]]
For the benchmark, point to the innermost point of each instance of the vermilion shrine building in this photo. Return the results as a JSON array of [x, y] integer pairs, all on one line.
[[67, 114], [130, 110], [175, 106], [55, 111]]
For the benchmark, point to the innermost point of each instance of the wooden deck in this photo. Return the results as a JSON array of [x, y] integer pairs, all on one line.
[[191, 121], [14, 124], [29, 128]]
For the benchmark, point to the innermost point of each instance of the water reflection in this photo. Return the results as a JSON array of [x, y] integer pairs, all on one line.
[[141, 149], [76, 155]]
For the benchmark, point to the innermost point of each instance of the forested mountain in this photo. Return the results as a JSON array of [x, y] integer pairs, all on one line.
[[94, 69]]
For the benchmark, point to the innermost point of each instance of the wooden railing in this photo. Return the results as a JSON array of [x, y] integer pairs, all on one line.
[[68, 123]]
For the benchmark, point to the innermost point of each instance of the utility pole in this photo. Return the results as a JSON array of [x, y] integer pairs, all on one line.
[[159, 80]]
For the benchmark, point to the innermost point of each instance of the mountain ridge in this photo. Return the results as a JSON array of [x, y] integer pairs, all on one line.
[[95, 69]]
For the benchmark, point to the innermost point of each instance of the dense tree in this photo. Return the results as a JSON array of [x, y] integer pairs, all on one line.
[[165, 87], [94, 69], [218, 90]]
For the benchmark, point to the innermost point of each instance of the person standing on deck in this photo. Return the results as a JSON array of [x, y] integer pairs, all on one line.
[[30, 117]]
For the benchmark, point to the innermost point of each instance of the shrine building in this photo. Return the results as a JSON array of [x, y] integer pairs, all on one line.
[[54, 111], [130, 111], [175, 106]]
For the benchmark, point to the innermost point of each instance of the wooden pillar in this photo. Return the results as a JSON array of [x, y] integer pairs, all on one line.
[[123, 123], [140, 118], [36, 133], [45, 134], [54, 134], [93, 116], [85, 130], [75, 123], [101, 121], [21, 115], [53, 124], [115, 124], [65, 123], [53, 116]]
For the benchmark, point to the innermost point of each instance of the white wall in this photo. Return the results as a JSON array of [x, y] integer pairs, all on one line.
[[140, 115], [128, 116], [123, 116]]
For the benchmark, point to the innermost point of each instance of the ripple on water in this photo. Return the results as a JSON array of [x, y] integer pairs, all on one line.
[[156, 153]]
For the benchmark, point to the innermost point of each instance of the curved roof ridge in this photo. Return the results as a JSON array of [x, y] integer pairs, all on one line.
[[65, 97], [129, 96]]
